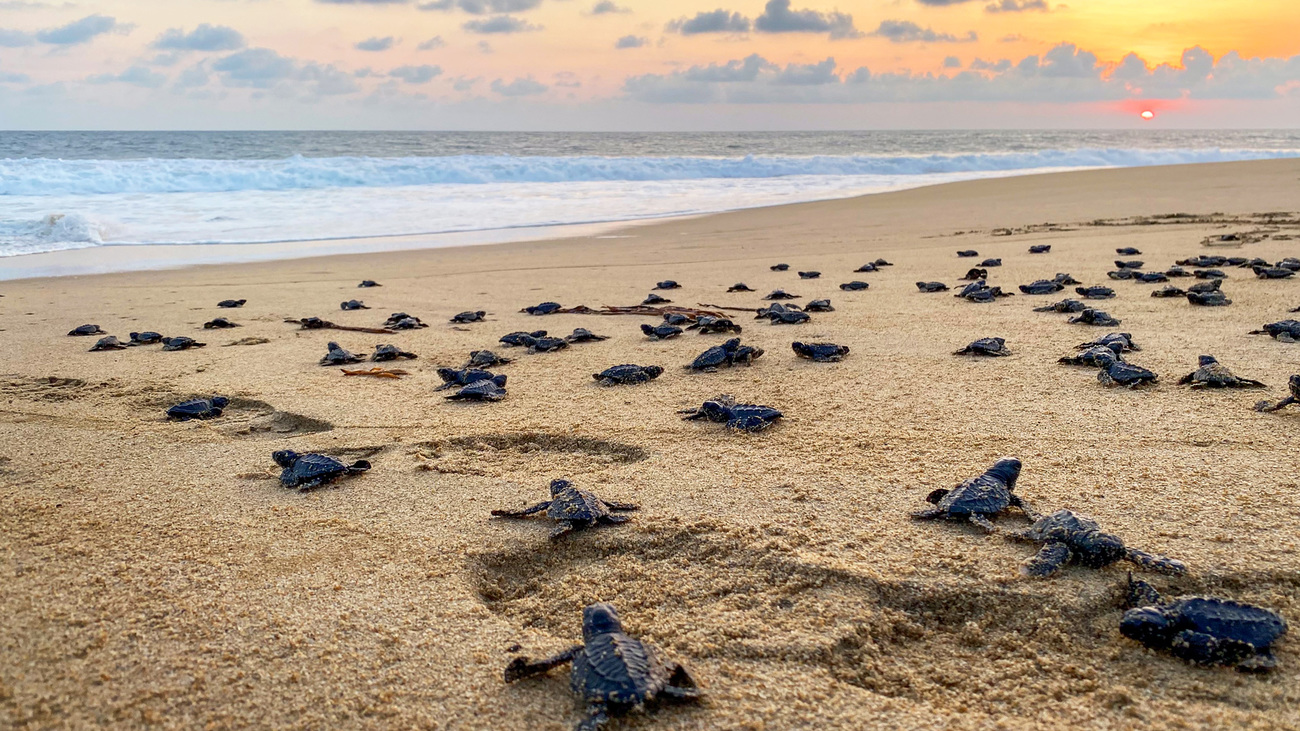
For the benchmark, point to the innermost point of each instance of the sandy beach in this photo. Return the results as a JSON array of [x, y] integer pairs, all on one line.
[[154, 573]]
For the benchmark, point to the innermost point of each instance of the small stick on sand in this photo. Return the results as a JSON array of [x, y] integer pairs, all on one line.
[[640, 310], [377, 372], [315, 323], [733, 309]]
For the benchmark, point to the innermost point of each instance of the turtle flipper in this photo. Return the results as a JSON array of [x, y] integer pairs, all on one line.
[[1250, 383], [1153, 562], [539, 507], [1186, 379], [1267, 406], [1052, 557], [620, 506], [597, 716], [681, 686], [521, 667], [1206, 649], [931, 514], [615, 519], [1029, 512], [360, 465], [1140, 594], [1260, 662], [983, 522], [562, 528]]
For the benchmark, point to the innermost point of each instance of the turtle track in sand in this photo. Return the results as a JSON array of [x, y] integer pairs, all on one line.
[[497, 455]]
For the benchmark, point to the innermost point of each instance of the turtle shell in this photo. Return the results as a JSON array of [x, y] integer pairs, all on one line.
[[312, 469], [577, 505], [1227, 619], [198, 408], [713, 357], [1127, 373], [986, 494], [618, 669]]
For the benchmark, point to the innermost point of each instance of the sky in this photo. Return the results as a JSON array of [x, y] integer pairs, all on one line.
[[647, 64]]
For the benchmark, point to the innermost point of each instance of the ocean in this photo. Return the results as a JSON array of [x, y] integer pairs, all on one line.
[[78, 190]]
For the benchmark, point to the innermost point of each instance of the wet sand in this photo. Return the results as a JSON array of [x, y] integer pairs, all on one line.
[[155, 574]]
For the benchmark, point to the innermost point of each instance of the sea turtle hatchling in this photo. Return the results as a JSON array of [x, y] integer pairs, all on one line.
[[613, 672], [309, 471], [779, 267], [968, 254], [991, 263], [1208, 299], [775, 307], [231, 303], [1042, 286], [654, 299], [809, 275], [1170, 291], [1150, 277], [1206, 630], [1095, 292], [521, 338], [485, 359], [403, 321], [975, 274], [467, 317], [1065, 305], [1294, 384], [820, 352], [1130, 264], [572, 509], [1098, 356], [979, 498], [868, 267], [199, 408], [823, 305], [726, 354], [740, 287], [1094, 317], [1067, 537], [661, 332], [1116, 372], [219, 323], [1122, 274], [932, 286], [484, 390], [108, 342], [707, 324], [738, 417], [545, 308], [668, 284], [788, 317], [181, 343], [84, 330], [146, 338], [336, 356], [452, 378], [985, 347], [390, 352], [1209, 274], [1177, 271], [627, 374], [677, 319], [1040, 248], [1127, 251], [882, 263], [1065, 279], [1125, 341], [854, 286], [781, 294], [369, 283], [583, 335], [1266, 272], [353, 305], [547, 345], [1213, 374], [1212, 285]]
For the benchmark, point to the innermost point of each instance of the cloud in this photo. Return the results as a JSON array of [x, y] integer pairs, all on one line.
[[777, 17], [905, 31], [15, 38], [713, 21], [255, 67], [8, 77], [1016, 6], [980, 64], [375, 45], [631, 42], [203, 38], [607, 7], [942, 3], [432, 43], [519, 87], [135, 76], [363, 2], [465, 83], [482, 7], [746, 69], [813, 74], [952, 62], [416, 74], [81, 31], [193, 77], [500, 24]]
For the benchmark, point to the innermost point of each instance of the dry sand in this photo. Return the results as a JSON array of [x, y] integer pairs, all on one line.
[[151, 574]]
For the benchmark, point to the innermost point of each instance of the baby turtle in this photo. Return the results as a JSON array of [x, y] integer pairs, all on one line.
[[613, 672], [740, 287], [932, 286], [544, 308], [677, 319], [1130, 264], [985, 346], [1209, 274], [485, 359], [967, 253], [1291, 263], [547, 345], [1128, 251], [668, 284], [1206, 630], [1040, 248], [583, 335], [1170, 291], [627, 374], [854, 286], [390, 352], [1115, 372], [1094, 317], [1097, 292], [1203, 261], [975, 274], [661, 332], [476, 316], [654, 299], [1213, 374], [309, 471], [868, 267], [1068, 537], [521, 338], [572, 509], [353, 305], [821, 352], [979, 498], [403, 321], [231, 303], [338, 356], [1213, 285], [781, 294], [1066, 305], [452, 378], [1264, 272], [84, 330], [776, 307], [788, 317], [819, 306], [719, 355], [1125, 341], [146, 338], [882, 263], [991, 263], [1098, 356], [1294, 384], [1042, 286], [738, 417], [1256, 262], [707, 324], [369, 283], [182, 343], [109, 342], [1176, 271], [1122, 274], [484, 390], [1065, 279], [779, 267], [199, 408], [219, 323], [1208, 299], [809, 275], [1150, 277]]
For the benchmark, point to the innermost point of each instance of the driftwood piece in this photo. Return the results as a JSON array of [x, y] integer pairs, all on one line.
[[642, 310], [377, 372], [315, 323]]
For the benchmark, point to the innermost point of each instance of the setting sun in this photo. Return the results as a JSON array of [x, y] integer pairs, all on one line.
[[1148, 115]]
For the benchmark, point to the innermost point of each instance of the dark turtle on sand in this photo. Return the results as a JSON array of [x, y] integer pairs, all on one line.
[[1150, 277], [521, 338], [1115, 372], [390, 352], [84, 330], [485, 359], [1264, 272], [765, 312], [1040, 248], [1067, 537], [312, 323], [707, 324], [1203, 261], [1208, 299], [821, 352], [485, 390], [854, 286], [968, 253], [975, 274], [146, 338], [1065, 279], [661, 332], [1213, 285], [1170, 291], [1098, 356], [1209, 274], [979, 498], [338, 356], [1130, 264], [667, 284], [109, 342], [1125, 341], [985, 347], [1176, 271], [544, 308], [1097, 292], [1213, 374], [1294, 384], [572, 509], [476, 316], [654, 299], [1206, 630], [809, 275], [1066, 305], [1291, 263], [219, 323], [819, 306], [1094, 317], [981, 292], [1122, 274], [547, 345], [730, 353], [932, 286], [738, 417], [369, 283], [882, 263], [627, 374], [199, 408], [231, 303], [788, 317], [181, 343], [781, 294], [740, 287], [1042, 286], [403, 321], [452, 378], [677, 319], [866, 268], [1128, 251], [1252, 263], [583, 335], [779, 267], [991, 263], [353, 305], [613, 672], [308, 471]]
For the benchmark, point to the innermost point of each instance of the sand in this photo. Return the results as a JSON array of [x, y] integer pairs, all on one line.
[[155, 574]]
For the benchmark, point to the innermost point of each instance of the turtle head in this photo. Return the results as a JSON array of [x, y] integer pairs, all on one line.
[[285, 457], [1206, 360], [499, 380], [1295, 386], [731, 344], [1007, 470], [559, 486], [448, 374], [599, 619], [1147, 625], [654, 371], [1101, 549], [220, 401], [717, 410]]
